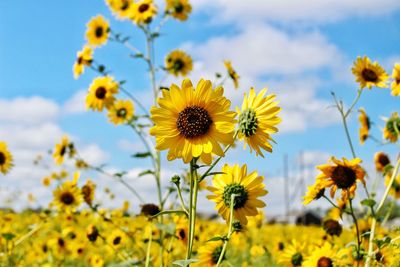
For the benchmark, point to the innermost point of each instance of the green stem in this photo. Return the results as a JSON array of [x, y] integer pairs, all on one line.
[[149, 248], [194, 182], [357, 229], [181, 199], [230, 232]]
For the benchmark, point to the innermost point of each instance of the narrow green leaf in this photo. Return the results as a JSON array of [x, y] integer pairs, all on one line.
[[368, 202], [184, 263], [141, 155]]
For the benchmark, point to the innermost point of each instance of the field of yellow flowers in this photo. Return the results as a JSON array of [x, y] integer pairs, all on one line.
[[194, 122]]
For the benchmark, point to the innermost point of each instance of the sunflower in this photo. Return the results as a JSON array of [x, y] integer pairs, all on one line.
[[192, 123], [122, 9], [314, 192], [246, 187], [179, 9], [62, 149], [365, 125], [143, 11], [257, 120], [341, 174], [83, 58], [178, 62], [324, 256], [369, 74], [395, 190], [121, 112], [97, 31], [209, 254], [6, 159], [381, 161], [67, 197], [232, 73], [88, 192], [396, 80], [101, 93], [391, 131], [293, 254], [116, 239]]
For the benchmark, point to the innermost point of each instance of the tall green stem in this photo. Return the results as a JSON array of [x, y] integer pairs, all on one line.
[[194, 186], [357, 229], [230, 231]]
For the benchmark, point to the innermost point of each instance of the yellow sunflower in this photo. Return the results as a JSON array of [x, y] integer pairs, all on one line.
[[88, 190], [116, 239], [324, 256], [395, 190], [209, 254], [369, 74], [97, 31], [6, 159], [246, 187], [122, 9], [121, 112], [178, 63], [314, 192], [68, 196], [396, 80], [191, 122], [365, 125], [381, 161], [232, 73], [257, 120], [62, 149], [391, 131], [143, 11], [293, 254], [84, 58], [101, 93], [179, 9], [341, 174]]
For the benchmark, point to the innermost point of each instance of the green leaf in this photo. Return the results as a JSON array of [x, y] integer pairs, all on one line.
[[141, 155], [368, 202], [146, 172], [169, 212], [155, 35], [122, 82], [184, 263], [216, 238], [8, 236], [120, 174]]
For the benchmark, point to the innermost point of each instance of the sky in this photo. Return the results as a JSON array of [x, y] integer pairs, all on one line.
[[300, 50]]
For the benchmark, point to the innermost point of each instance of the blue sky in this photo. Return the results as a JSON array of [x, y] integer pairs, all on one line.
[[300, 54]]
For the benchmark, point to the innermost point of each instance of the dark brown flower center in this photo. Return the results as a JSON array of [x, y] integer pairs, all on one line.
[[178, 65], [332, 227], [383, 159], [117, 240], [125, 5], [61, 242], [369, 75], [121, 113], [216, 254], [344, 177], [179, 8], [379, 257], [143, 8], [182, 234], [101, 92], [193, 122], [324, 262], [2, 158], [63, 150], [67, 198], [99, 32], [149, 210]]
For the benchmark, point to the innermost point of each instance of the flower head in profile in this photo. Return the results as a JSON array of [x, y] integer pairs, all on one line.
[[179, 9], [101, 93], [232, 73], [369, 74], [97, 31], [122, 9], [209, 254], [395, 188], [314, 192], [83, 58], [121, 112], [381, 161], [365, 125], [6, 159], [143, 11], [68, 196], [257, 120], [396, 80], [178, 63], [193, 122], [246, 187], [341, 174], [391, 131], [65, 147]]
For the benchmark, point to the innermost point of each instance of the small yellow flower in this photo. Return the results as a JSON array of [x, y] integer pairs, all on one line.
[[97, 31], [365, 125], [121, 112], [122, 9], [381, 161], [391, 131], [178, 63], [232, 73], [46, 181], [62, 149], [179, 9], [101, 93], [67, 197], [84, 58], [369, 74], [396, 80], [143, 11], [6, 159]]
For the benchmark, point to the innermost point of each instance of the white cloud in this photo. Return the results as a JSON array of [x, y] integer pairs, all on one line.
[[294, 10], [76, 104]]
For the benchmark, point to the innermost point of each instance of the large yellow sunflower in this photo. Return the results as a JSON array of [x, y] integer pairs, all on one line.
[[84, 58], [341, 175], [101, 93], [143, 11], [191, 122], [121, 112], [391, 131], [246, 187], [396, 80], [179, 9], [62, 149], [369, 74], [178, 63], [97, 31], [365, 125], [293, 254], [6, 159], [232, 73], [209, 254], [68, 196], [122, 9], [324, 256], [257, 120]]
